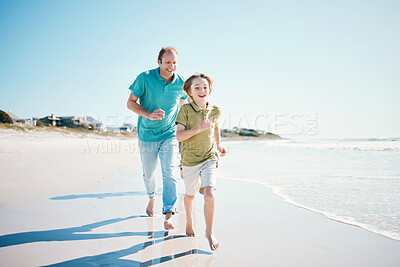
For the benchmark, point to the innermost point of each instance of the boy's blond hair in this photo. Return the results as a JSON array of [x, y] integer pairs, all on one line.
[[188, 83]]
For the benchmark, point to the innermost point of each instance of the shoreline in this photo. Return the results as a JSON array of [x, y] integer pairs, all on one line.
[[326, 234], [332, 217]]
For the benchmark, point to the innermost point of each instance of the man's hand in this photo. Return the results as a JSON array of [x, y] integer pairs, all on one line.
[[157, 114]]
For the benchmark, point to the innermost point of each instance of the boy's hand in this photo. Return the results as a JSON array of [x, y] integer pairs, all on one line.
[[206, 124], [222, 150], [157, 114]]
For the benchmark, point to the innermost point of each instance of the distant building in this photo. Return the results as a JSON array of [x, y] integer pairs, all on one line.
[[13, 117], [127, 127], [65, 121], [52, 120], [73, 122], [16, 119], [31, 121], [93, 123], [111, 129]]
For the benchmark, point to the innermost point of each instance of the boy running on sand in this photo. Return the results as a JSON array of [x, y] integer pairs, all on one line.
[[197, 129]]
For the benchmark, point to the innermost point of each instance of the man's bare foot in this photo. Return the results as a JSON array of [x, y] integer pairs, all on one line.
[[212, 241], [189, 230], [150, 207], [168, 224]]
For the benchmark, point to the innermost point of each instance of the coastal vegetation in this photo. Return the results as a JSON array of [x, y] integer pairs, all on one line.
[[5, 118], [245, 133], [88, 125], [236, 134], [41, 127]]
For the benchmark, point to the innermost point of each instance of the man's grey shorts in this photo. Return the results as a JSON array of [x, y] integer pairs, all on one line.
[[199, 176]]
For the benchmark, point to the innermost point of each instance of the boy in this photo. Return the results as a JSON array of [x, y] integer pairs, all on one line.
[[197, 128]]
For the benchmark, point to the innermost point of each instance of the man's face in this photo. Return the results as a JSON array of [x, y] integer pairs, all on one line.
[[168, 65]]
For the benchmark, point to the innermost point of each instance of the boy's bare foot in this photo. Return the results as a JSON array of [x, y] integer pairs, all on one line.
[[189, 230], [168, 225], [212, 241], [150, 207]]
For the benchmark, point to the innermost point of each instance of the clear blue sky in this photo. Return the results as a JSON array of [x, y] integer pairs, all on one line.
[[274, 63]]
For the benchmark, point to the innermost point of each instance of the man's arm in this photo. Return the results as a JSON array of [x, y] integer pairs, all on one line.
[[132, 104], [183, 102]]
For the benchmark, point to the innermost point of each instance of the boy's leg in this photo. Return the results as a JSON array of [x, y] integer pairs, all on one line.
[[209, 209], [148, 156], [192, 185], [208, 181], [168, 157], [189, 218]]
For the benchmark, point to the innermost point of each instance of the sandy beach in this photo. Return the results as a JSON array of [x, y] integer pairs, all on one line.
[[72, 200]]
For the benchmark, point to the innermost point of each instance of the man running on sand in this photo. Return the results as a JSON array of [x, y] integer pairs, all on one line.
[[160, 94]]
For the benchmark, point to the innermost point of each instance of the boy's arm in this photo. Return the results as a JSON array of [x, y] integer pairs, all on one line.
[[217, 137], [182, 134]]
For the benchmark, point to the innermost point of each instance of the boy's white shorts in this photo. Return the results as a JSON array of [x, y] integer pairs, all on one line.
[[199, 176]]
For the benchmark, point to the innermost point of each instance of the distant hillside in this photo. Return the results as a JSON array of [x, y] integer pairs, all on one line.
[[64, 130], [244, 133]]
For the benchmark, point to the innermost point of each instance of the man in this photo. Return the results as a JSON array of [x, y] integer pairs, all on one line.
[[160, 93]]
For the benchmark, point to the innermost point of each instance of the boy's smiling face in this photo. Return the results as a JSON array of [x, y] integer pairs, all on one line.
[[199, 91]]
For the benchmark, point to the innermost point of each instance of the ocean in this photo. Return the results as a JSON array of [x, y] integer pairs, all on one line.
[[353, 181]]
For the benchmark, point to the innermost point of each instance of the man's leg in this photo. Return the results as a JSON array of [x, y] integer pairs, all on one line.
[[148, 155], [168, 157]]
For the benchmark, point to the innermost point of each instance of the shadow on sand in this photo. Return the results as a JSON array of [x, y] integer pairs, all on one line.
[[103, 195], [69, 234], [114, 258], [110, 258]]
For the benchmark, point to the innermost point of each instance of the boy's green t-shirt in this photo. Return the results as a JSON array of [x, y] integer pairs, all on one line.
[[200, 147]]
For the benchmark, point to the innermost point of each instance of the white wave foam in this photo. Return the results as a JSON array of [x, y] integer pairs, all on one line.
[[329, 215], [385, 145]]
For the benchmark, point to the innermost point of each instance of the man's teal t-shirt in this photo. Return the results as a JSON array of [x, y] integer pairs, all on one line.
[[154, 93]]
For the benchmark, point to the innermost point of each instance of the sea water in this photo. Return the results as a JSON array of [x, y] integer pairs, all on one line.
[[354, 181]]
